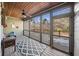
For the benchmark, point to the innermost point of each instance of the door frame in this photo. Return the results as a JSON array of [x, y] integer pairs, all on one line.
[[71, 26]]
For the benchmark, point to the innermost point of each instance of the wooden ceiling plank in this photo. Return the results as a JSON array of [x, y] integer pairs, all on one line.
[[15, 9]]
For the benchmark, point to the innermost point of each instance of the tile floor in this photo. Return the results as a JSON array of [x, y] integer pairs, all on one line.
[[28, 47]]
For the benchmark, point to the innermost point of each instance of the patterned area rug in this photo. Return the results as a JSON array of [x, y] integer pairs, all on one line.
[[30, 47]]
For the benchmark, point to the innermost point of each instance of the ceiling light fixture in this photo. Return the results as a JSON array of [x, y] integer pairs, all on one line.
[[25, 15]]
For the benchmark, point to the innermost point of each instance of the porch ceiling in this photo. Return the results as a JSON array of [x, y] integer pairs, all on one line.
[[15, 9]]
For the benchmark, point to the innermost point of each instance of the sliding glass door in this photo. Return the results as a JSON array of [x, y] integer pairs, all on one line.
[[61, 28], [35, 28]]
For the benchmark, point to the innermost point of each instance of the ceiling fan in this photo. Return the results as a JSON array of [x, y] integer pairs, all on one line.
[[25, 15]]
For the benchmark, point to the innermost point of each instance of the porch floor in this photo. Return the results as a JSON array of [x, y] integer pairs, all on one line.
[[28, 47]]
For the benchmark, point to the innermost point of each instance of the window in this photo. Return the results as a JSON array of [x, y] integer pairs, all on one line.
[[26, 25], [61, 11], [61, 28], [46, 28], [35, 28], [26, 28], [36, 21]]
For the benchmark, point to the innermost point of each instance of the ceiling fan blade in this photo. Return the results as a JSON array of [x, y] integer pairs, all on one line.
[[28, 15]]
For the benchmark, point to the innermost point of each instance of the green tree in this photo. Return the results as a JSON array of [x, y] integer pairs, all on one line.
[[44, 21]]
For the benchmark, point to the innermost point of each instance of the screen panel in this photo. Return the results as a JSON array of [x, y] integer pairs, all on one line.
[[46, 28], [26, 28], [61, 28], [61, 33], [35, 28]]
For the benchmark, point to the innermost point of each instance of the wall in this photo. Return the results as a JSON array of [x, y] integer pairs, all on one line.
[[16, 22], [76, 33]]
